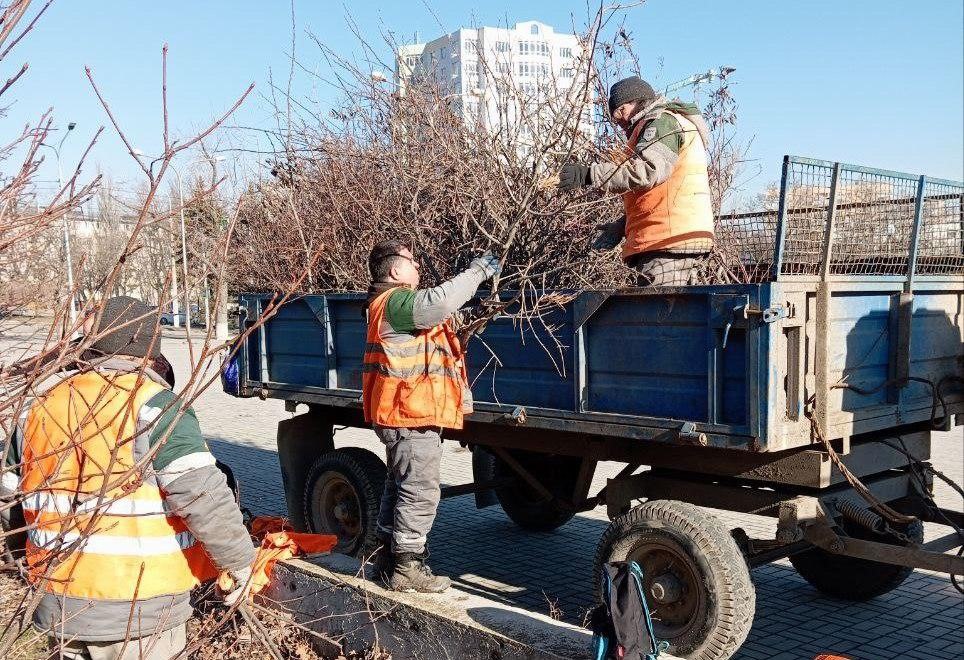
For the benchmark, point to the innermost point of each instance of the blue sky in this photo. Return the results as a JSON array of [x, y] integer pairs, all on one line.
[[871, 82]]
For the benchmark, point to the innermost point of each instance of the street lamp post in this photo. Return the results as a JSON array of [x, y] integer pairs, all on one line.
[[70, 266], [706, 76]]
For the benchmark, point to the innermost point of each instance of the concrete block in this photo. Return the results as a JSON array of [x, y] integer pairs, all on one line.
[[331, 595]]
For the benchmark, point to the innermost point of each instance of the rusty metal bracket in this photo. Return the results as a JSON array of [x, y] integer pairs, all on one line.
[[688, 434], [527, 476], [788, 526], [819, 531], [517, 416]]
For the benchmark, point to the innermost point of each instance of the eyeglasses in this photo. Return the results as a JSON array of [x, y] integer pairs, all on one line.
[[396, 254]]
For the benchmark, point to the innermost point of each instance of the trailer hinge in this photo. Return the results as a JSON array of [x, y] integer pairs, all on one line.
[[688, 433], [518, 415]]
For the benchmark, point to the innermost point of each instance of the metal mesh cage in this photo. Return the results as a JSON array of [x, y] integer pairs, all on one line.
[[876, 217], [940, 248]]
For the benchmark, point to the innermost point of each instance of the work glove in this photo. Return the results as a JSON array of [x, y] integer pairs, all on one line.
[[610, 235], [240, 585], [573, 176], [488, 264]]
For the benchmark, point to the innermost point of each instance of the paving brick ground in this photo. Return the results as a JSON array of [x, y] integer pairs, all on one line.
[[484, 552]]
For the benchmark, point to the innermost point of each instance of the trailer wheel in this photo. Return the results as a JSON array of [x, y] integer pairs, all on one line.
[[697, 581], [231, 479], [524, 506], [14, 543], [850, 578], [342, 494]]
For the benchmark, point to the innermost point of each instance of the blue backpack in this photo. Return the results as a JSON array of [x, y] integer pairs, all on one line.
[[622, 626], [230, 381]]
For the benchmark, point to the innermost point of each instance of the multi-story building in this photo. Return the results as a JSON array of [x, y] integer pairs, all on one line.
[[489, 73]]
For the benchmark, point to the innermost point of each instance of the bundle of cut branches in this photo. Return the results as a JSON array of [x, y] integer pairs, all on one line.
[[453, 174]]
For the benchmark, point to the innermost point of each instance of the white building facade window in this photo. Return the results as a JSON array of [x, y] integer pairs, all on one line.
[[540, 48], [529, 66]]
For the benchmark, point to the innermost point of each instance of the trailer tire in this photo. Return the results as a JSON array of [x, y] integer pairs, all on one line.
[[849, 578], [343, 491], [521, 502], [231, 480], [14, 543], [693, 561]]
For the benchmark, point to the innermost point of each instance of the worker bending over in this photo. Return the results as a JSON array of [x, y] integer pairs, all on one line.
[[126, 510], [662, 175], [414, 385]]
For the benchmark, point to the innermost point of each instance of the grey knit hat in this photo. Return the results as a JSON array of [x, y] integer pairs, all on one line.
[[135, 337], [628, 90]]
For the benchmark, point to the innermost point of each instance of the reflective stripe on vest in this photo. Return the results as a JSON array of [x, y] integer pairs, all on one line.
[[95, 517], [412, 383], [102, 544], [677, 210]]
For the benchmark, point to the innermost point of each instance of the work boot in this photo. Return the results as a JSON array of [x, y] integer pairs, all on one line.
[[383, 561], [412, 575]]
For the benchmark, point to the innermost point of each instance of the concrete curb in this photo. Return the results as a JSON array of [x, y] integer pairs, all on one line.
[[327, 594]]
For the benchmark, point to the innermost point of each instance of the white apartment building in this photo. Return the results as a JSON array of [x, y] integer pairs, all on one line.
[[477, 65]]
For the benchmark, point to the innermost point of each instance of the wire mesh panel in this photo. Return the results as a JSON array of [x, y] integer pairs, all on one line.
[[806, 198], [940, 248], [874, 216], [873, 223], [745, 244]]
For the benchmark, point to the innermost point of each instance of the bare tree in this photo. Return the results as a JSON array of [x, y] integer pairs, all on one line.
[[39, 354]]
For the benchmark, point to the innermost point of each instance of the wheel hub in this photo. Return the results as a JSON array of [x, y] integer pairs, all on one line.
[[666, 588], [339, 507], [672, 580]]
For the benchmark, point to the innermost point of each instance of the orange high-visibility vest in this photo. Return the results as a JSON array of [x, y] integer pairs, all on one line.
[[413, 383], [92, 527], [676, 210]]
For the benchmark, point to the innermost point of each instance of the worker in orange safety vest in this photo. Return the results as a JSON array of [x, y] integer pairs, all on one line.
[[667, 231], [414, 385], [126, 510]]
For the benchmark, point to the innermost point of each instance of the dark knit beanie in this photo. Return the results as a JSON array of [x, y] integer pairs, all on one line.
[[135, 337], [628, 90]]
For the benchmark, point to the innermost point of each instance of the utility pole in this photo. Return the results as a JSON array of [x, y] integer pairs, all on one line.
[[67, 255]]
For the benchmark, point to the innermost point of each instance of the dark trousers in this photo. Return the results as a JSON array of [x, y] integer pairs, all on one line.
[[668, 268], [413, 487]]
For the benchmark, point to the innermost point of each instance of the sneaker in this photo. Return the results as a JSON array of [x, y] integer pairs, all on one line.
[[412, 575]]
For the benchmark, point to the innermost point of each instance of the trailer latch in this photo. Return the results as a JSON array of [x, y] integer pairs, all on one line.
[[775, 313], [769, 315]]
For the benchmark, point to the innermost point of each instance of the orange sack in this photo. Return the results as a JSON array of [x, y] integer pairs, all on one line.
[[278, 542]]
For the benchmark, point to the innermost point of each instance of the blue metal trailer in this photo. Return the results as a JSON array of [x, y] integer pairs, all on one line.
[[808, 395]]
